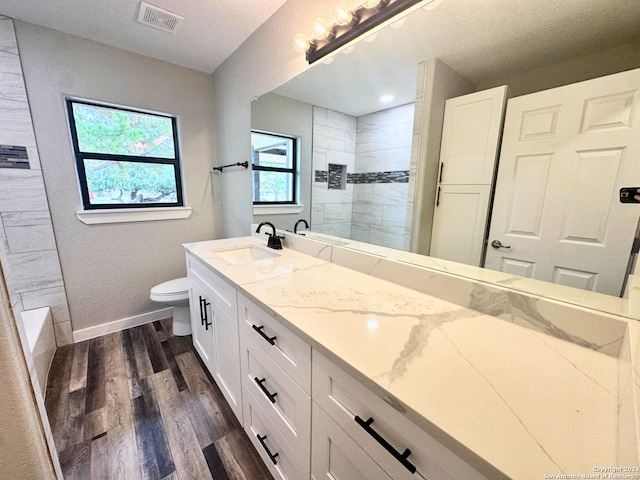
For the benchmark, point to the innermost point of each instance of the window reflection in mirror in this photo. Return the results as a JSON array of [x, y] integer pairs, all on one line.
[[274, 168]]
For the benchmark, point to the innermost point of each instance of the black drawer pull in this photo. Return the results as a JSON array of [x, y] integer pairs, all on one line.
[[272, 456], [204, 317], [401, 457], [271, 340], [271, 396]]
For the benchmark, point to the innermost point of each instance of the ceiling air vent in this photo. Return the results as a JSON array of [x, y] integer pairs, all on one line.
[[158, 18]]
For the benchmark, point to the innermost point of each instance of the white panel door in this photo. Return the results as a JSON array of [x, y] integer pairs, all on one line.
[[469, 150], [565, 154], [459, 223], [470, 137]]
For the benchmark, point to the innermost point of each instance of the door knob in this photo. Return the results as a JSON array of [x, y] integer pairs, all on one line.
[[498, 244]]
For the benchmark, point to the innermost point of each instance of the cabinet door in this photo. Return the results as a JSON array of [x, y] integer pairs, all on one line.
[[336, 456], [201, 321], [470, 137], [225, 358], [460, 223]]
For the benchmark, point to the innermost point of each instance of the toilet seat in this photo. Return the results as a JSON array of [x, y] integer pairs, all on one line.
[[176, 289]]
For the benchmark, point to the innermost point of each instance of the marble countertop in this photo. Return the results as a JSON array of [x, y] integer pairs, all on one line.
[[511, 401]]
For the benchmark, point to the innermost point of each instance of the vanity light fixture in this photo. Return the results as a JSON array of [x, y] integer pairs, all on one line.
[[349, 24]]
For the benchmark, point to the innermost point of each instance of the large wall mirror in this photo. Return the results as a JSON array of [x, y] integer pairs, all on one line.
[[368, 168]]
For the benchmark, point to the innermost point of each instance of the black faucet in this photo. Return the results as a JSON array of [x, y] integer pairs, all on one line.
[[274, 240], [302, 220]]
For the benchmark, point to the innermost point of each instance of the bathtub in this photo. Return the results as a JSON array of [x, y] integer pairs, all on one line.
[[40, 343]]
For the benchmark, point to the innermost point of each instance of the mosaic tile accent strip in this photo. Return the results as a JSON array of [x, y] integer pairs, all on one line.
[[397, 176], [321, 176], [12, 156]]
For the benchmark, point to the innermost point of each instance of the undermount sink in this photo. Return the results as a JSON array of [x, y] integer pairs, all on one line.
[[240, 254]]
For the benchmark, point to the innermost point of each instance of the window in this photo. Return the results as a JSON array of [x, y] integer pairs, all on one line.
[[274, 169], [125, 158]]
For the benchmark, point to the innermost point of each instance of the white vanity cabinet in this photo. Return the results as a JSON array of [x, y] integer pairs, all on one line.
[[307, 418], [374, 427], [276, 378], [214, 321]]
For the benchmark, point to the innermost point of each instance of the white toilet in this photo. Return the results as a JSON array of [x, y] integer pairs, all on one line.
[[175, 293]]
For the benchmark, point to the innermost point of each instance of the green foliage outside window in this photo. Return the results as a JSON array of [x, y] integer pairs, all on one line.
[[124, 181], [137, 156], [118, 132]]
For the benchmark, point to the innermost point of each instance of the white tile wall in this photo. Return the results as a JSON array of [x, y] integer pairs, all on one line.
[[334, 141], [379, 142], [384, 145], [27, 243], [7, 36]]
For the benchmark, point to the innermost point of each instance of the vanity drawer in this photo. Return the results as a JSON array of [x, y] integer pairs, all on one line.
[[279, 457], [343, 398], [224, 295], [336, 456], [287, 350], [286, 404]]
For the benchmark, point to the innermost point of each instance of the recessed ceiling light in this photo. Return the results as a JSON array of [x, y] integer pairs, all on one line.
[[387, 98]]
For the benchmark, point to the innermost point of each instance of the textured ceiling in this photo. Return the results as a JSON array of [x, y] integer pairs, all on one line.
[[210, 32], [483, 40]]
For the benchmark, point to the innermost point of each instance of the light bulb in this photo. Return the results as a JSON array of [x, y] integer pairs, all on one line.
[[370, 3], [342, 15], [301, 43], [320, 29]]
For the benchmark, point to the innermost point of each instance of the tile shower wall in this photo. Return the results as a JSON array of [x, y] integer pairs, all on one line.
[[383, 154], [334, 144], [371, 204], [28, 251]]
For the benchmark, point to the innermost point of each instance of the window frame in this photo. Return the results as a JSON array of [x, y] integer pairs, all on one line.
[[80, 157], [292, 170]]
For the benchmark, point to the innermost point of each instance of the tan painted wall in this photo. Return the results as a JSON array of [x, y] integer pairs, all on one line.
[[23, 449], [108, 270], [263, 62], [277, 114]]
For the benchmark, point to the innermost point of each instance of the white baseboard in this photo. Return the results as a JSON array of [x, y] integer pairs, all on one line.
[[122, 324]]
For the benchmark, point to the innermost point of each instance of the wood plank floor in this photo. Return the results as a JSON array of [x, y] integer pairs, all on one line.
[[139, 404]]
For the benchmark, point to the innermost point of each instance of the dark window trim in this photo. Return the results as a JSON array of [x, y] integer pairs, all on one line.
[[293, 170], [81, 156]]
